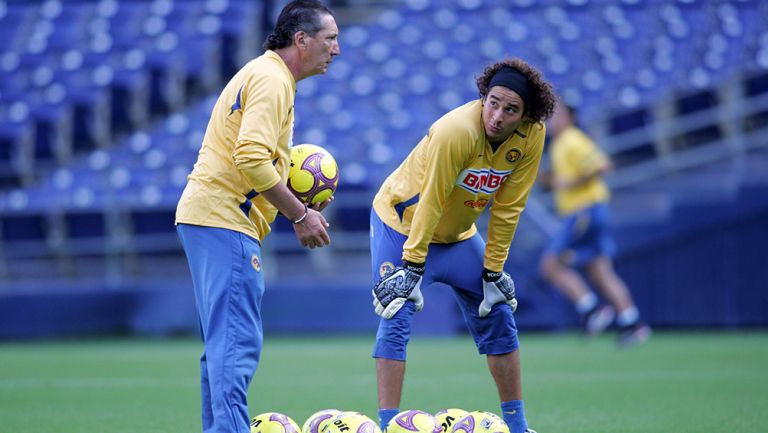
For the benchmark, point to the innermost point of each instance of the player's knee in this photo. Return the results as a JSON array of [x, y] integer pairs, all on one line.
[[500, 346], [394, 350], [549, 266]]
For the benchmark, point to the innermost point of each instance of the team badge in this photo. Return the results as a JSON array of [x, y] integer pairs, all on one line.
[[513, 156], [256, 263], [385, 267]]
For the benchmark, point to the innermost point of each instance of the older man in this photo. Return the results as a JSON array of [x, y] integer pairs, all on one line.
[[234, 193]]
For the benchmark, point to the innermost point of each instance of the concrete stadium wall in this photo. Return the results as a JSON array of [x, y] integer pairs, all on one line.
[[709, 279], [714, 278], [341, 307]]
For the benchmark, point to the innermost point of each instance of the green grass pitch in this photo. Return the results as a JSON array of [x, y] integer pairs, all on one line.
[[694, 382]]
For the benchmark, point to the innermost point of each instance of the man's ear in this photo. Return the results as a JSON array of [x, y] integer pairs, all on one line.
[[300, 39]]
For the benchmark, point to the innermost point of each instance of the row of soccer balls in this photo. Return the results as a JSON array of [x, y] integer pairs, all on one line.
[[408, 421]]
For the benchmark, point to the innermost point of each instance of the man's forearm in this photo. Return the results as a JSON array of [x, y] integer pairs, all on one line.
[[285, 202]]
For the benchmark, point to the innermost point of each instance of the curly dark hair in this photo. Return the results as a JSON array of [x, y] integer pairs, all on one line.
[[542, 101], [298, 15]]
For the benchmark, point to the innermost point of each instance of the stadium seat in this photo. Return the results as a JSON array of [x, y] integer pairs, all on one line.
[[23, 227], [86, 225], [133, 76]]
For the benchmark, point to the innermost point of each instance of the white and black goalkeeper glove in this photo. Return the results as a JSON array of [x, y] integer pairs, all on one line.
[[497, 287], [397, 286]]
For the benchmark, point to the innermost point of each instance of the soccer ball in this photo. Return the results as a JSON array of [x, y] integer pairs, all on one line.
[[314, 175], [480, 422], [273, 422], [413, 421], [317, 420], [350, 422], [446, 418]]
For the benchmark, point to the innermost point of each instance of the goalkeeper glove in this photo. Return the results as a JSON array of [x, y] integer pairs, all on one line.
[[397, 286], [497, 287]]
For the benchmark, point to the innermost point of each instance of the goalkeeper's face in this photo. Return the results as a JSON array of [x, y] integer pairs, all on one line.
[[502, 111]]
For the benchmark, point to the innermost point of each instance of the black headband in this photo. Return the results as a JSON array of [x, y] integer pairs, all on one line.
[[513, 80]]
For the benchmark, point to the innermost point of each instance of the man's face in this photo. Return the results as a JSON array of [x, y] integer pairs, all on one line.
[[502, 112], [323, 47]]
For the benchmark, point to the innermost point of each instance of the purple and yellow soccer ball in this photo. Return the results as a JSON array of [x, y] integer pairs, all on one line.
[[273, 422], [480, 422], [314, 174], [413, 421], [446, 418], [316, 421], [350, 422]]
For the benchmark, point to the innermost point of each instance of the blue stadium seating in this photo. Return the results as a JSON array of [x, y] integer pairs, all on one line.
[[73, 60], [172, 49], [65, 65], [103, 104]]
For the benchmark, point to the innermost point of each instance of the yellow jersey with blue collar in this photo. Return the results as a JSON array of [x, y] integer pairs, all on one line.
[[575, 155], [439, 191], [251, 127]]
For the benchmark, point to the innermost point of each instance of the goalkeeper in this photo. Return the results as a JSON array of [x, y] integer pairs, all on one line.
[[485, 153]]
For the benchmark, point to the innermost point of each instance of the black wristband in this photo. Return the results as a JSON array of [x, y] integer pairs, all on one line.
[[491, 276], [414, 267]]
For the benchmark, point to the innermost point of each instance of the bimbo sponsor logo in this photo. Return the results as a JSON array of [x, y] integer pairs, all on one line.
[[483, 180]]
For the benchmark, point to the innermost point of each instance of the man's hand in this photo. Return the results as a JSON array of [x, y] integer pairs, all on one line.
[[310, 226], [311, 229], [322, 205], [397, 286], [497, 287]]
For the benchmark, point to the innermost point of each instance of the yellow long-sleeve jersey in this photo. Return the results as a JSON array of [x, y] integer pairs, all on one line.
[[251, 128], [575, 155], [451, 176]]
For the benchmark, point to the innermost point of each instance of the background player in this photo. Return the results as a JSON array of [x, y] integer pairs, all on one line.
[[581, 198], [235, 191], [487, 150]]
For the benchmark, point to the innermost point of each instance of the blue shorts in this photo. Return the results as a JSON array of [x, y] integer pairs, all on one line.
[[584, 236], [229, 284], [459, 265]]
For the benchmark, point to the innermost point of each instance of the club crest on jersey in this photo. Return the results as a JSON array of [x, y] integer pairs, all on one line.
[[485, 180], [513, 156], [385, 267], [256, 263]]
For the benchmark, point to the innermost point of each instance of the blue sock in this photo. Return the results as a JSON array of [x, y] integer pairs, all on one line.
[[385, 415], [514, 415]]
